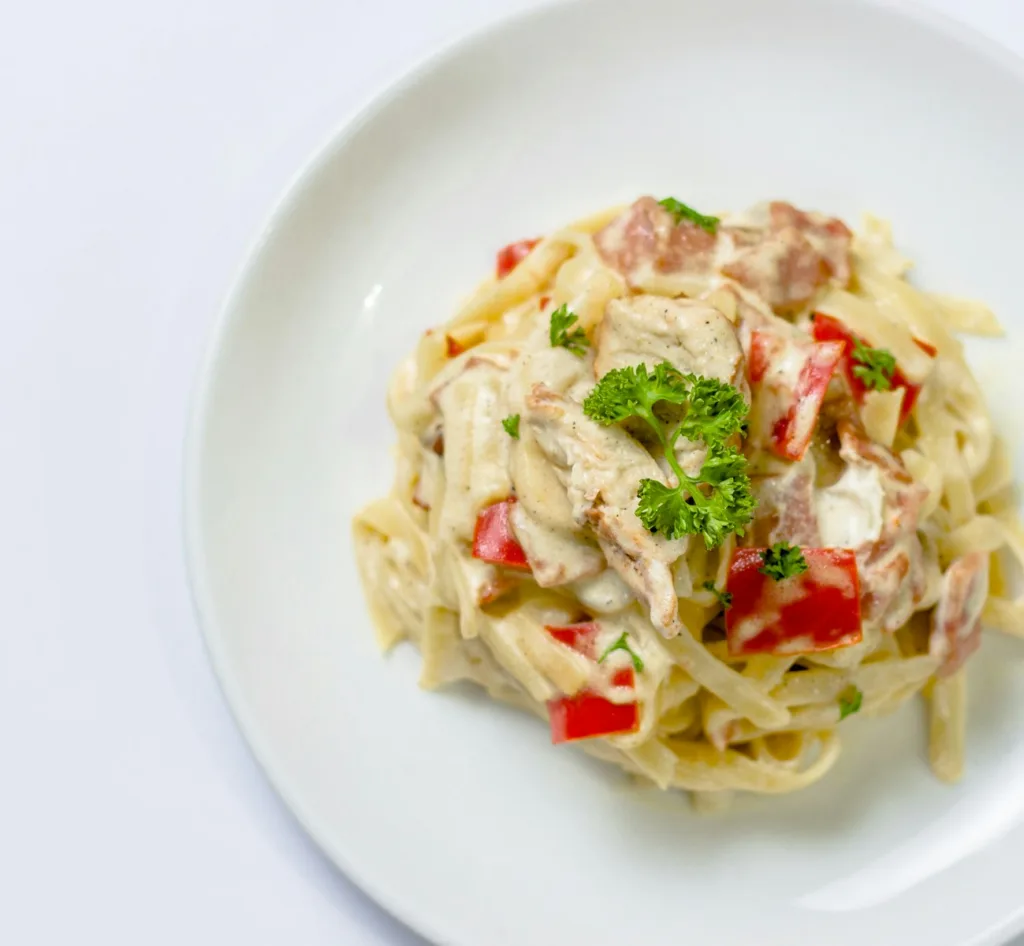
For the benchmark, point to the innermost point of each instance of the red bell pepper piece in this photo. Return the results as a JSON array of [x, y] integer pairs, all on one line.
[[816, 610], [580, 637], [827, 328], [509, 257], [493, 538], [588, 715], [453, 348], [792, 378]]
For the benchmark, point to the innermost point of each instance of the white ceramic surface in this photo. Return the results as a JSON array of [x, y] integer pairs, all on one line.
[[457, 814]]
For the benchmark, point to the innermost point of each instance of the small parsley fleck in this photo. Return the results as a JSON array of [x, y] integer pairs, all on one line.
[[682, 212], [874, 367], [562, 321], [849, 701], [783, 560], [511, 425], [724, 597], [623, 644]]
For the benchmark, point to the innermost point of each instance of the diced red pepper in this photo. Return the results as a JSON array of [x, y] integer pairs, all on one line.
[[816, 610], [623, 677], [493, 538], [588, 715], [453, 348], [793, 378], [580, 637], [509, 257], [827, 328]]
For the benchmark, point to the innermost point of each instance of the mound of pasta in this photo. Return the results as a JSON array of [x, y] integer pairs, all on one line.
[[695, 489]]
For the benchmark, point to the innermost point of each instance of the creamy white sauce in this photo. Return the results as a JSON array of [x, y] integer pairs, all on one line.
[[400, 551], [786, 368], [850, 511], [603, 594], [555, 556]]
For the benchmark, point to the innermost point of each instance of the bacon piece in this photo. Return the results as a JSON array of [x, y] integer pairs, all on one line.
[[495, 588], [785, 507], [829, 236], [798, 254], [645, 241], [893, 577], [956, 620]]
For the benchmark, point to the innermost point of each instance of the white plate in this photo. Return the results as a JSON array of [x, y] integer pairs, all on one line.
[[457, 814]]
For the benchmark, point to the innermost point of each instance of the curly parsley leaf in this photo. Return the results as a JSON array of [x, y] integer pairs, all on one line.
[[783, 560], [623, 644], [562, 320], [724, 597], [665, 510], [716, 411], [716, 502], [682, 212], [511, 425], [633, 392], [873, 366], [849, 701]]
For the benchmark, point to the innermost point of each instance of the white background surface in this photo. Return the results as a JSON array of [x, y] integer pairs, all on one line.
[[143, 146]]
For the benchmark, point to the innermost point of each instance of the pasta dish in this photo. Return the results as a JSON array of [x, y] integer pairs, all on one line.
[[695, 489]]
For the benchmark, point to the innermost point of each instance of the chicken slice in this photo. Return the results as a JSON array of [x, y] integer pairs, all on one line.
[[556, 556], [602, 468], [691, 335]]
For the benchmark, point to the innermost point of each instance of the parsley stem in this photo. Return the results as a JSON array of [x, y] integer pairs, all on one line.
[[668, 445]]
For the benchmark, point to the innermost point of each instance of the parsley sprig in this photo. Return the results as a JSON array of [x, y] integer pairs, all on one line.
[[681, 212], [849, 701], [873, 366], [716, 502], [724, 597], [623, 644], [562, 320], [511, 425], [783, 560]]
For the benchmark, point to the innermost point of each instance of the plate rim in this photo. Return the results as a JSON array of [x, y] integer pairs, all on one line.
[[340, 134]]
